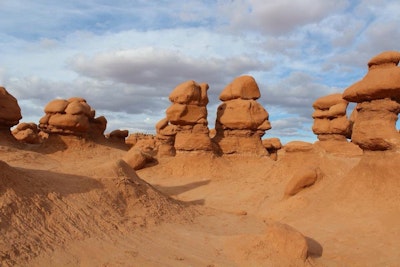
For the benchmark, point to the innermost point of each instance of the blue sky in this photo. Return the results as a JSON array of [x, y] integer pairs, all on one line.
[[125, 57]]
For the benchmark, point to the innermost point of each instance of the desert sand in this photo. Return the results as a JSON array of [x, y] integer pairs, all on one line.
[[191, 196]]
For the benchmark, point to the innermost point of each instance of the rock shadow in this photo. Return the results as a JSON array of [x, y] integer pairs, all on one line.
[[179, 189], [315, 249]]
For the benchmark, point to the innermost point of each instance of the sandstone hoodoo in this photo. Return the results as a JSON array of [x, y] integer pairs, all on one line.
[[330, 120], [10, 112], [186, 125], [72, 117], [378, 97], [241, 120]]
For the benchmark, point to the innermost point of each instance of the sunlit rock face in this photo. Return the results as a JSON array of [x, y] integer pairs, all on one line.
[[185, 127], [378, 97], [330, 120], [241, 120], [72, 117]]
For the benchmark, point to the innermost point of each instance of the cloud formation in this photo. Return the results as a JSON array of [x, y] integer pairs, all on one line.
[[125, 57]]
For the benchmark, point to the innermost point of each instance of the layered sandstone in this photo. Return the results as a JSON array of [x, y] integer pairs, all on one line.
[[330, 120], [241, 120], [72, 117], [185, 127], [378, 96]]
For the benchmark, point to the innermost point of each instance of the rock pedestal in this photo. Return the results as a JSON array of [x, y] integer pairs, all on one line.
[[186, 124], [330, 121], [241, 120], [378, 97]]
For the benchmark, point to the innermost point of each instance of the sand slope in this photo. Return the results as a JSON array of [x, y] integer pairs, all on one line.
[[74, 203]]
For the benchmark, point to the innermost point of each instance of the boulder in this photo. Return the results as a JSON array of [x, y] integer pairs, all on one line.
[[27, 133], [302, 179], [286, 241], [243, 87], [10, 112]]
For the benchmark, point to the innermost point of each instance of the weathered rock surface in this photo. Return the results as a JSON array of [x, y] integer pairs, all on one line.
[[287, 241], [185, 127], [72, 117], [10, 112], [27, 133], [241, 120], [136, 158], [302, 179], [378, 96], [272, 145], [330, 121]]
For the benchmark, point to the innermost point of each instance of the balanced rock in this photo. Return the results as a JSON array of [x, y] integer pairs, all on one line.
[[10, 112], [186, 125], [330, 121], [241, 120], [378, 96], [72, 117], [272, 145]]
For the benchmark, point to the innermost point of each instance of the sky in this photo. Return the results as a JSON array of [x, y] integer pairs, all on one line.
[[126, 56]]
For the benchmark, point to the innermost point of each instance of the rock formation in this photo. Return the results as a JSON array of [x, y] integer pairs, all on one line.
[[27, 133], [72, 117], [118, 135], [186, 125], [378, 96], [241, 120], [302, 179], [272, 145], [330, 121], [10, 112]]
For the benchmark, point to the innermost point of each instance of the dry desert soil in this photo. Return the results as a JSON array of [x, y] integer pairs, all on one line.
[[73, 202]]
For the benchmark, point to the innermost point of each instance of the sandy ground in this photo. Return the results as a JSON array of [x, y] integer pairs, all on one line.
[[73, 202]]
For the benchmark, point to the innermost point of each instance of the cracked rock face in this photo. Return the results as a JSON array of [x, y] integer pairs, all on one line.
[[378, 97]]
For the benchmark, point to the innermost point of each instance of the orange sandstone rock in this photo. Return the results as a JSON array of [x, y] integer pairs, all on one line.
[[378, 95], [10, 112]]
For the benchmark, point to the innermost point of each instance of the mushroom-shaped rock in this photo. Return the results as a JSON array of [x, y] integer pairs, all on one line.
[[272, 145], [378, 95], [330, 121], [241, 120], [118, 135], [185, 126], [10, 112], [243, 87]]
